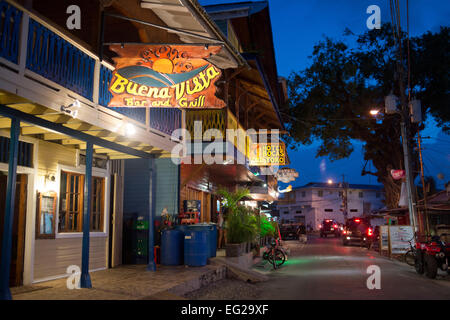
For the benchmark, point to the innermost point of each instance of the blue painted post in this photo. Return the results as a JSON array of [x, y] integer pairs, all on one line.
[[5, 263], [151, 224], [85, 281]]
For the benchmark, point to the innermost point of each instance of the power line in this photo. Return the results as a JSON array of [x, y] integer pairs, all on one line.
[[438, 139]]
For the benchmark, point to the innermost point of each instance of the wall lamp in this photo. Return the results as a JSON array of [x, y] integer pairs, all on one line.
[[71, 109]]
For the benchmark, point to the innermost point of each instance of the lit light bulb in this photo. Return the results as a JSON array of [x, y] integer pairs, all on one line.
[[130, 129]]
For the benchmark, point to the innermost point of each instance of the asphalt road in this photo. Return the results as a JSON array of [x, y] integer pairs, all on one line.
[[325, 269]]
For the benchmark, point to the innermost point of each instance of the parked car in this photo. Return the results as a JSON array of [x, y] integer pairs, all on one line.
[[289, 231], [357, 230], [329, 226]]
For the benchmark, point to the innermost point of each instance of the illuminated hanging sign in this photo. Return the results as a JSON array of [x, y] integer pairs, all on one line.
[[164, 76], [288, 189], [268, 154], [398, 174], [286, 175]]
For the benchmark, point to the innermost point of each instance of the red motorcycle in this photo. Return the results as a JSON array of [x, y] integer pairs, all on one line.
[[432, 255]]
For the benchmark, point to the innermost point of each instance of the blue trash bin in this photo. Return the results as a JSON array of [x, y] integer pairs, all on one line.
[[195, 248], [211, 228], [172, 251], [182, 227]]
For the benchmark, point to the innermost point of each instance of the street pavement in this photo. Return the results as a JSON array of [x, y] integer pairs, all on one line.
[[325, 269]]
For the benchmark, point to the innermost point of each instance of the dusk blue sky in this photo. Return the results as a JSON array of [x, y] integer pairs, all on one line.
[[297, 25]]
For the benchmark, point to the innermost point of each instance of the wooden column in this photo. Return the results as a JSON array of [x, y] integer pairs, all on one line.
[[151, 223], [236, 104], [5, 263], [85, 280]]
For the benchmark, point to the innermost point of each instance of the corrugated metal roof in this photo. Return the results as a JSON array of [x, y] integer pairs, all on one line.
[[246, 8], [190, 16]]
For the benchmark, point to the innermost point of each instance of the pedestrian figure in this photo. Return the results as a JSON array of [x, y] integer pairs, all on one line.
[[301, 231], [221, 226]]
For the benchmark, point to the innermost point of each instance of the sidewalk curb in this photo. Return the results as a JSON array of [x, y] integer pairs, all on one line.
[[237, 272], [196, 283]]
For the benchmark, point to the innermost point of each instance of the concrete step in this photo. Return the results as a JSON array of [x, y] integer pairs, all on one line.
[[218, 273], [239, 271]]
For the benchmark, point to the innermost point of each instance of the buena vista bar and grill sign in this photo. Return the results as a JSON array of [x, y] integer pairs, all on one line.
[[164, 76]]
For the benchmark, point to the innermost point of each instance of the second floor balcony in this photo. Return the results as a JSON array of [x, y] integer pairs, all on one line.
[[43, 64]]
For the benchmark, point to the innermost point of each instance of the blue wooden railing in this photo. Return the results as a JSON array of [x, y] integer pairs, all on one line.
[[58, 60], [10, 19], [165, 119], [104, 96]]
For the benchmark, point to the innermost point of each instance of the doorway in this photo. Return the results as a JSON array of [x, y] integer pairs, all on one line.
[[18, 232]]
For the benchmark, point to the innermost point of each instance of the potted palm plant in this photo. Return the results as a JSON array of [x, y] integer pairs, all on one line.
[[240, 223]]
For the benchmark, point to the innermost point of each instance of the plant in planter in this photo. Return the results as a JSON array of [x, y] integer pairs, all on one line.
[[240, 222], [267, 228]]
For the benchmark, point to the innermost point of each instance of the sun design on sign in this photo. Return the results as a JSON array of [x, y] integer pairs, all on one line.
[[166, 60]]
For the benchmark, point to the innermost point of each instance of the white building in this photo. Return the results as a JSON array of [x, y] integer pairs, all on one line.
[[316, 201]]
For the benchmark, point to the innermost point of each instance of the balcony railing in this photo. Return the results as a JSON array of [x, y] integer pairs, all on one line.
[[56, 57], [221, 120], [52, 57], [10, 20]]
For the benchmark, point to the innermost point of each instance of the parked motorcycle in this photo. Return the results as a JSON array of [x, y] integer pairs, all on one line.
[[432, 255]]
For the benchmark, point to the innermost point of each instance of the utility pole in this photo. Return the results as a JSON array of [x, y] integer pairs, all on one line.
[[405, 125], [405, 132], [427, 226]]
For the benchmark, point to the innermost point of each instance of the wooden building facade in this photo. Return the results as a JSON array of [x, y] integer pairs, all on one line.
[[63, 151]]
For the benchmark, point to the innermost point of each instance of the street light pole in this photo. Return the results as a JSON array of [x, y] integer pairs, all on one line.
[[405, 130], [409, 176]]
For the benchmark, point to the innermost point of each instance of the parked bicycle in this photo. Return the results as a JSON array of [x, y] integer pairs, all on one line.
[[411, 254], [274, 254]]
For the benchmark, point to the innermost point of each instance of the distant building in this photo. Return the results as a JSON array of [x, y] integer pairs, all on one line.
[[315, 201]]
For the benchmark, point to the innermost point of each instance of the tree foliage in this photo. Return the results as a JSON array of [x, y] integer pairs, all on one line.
[[330, 100]]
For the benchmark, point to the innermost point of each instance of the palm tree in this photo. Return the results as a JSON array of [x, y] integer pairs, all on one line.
[[241, 223], [231, 199]]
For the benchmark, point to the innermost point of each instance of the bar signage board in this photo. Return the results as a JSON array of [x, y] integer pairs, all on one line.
[[164, 76], [268, 154], [399, 237]]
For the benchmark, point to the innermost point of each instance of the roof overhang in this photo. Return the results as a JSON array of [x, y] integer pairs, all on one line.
[[255, 81], [189, 15], [235, 10]]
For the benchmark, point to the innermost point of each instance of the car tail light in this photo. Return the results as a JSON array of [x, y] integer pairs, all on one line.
[[357, 220], [335, 226], [344, 232]]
